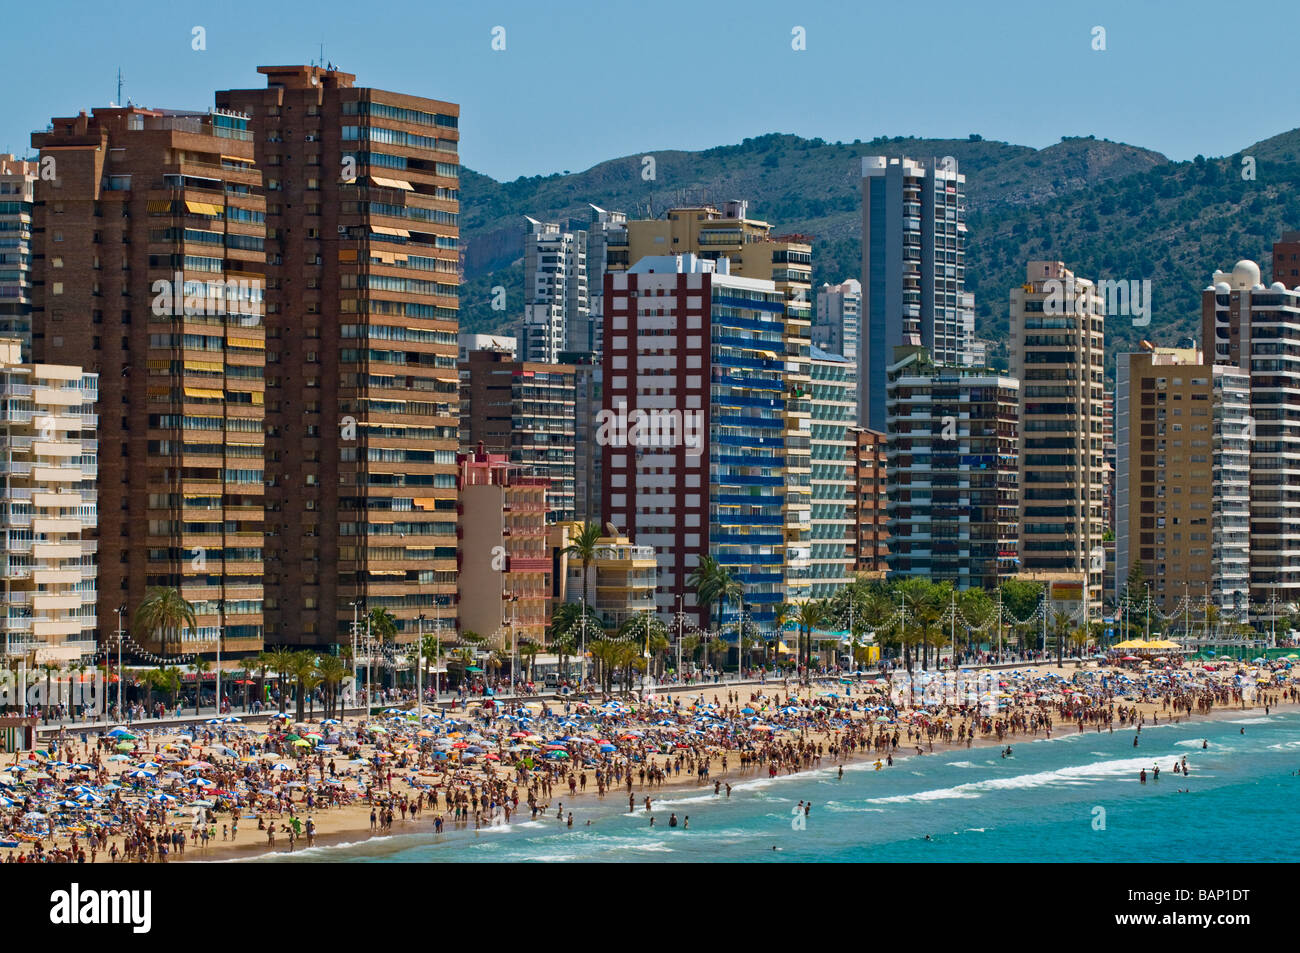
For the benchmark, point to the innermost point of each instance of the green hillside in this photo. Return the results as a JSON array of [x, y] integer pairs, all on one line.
[[1107, 209]]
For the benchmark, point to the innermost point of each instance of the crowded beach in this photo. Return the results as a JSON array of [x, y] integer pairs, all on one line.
[[240, 786]]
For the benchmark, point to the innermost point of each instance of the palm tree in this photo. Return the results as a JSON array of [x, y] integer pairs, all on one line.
[[281, 662], [50, 669], [1079, 638], [718, 646], [602, 650], [150, 680], [705, 579], [564, 645], [1060, 628], [782, 616], [466, 658], [977, 609], [383, 626], [302, 667], [876, 609], [164, 612], [528, 651], [731, 589], [628, 656], [809, 617], [568, 626], [262, 662], [659, 646], [584, 547], [690, 645], [332, 670], [201, 667], [170, 682]]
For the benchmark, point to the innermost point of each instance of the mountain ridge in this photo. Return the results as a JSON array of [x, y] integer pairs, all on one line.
[[1107, 209]]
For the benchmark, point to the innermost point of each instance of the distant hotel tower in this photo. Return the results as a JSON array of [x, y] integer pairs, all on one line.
[[913, 272]]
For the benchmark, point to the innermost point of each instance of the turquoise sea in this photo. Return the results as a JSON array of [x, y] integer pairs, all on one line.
[[1073, 798]]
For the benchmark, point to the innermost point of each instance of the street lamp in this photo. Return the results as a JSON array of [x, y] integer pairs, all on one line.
[[582, 649], [221, 631], [356, 604], [419, 670], [120, 609]]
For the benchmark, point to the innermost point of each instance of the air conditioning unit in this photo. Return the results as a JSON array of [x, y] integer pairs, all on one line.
[[343, 229]]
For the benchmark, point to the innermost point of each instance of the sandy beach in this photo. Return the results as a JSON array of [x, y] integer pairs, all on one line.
[[820, 726]]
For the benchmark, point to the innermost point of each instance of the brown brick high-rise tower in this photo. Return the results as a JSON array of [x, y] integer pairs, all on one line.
[[148, 269], [361, 307]]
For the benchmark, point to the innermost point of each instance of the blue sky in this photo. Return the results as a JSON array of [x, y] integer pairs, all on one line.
[[581, 81]]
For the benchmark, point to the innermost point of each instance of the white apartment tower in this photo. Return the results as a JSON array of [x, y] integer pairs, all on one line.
[[48, 463], [833, 443], [607, 249], [1257, 329], [556, 294], [836, 322]]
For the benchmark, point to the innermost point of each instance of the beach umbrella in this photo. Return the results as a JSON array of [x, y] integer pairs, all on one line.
[[120, 733], [141, 775], [124, 746]]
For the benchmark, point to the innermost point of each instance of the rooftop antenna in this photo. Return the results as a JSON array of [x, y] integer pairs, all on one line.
[[119, 86]]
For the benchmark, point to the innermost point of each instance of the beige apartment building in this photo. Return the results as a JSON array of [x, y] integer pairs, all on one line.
[[1183, 477], [1058, 353], [48, 465], [502, 557]]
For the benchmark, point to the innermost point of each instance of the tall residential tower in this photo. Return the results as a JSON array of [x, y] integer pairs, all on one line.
[[913, 271], [1058, 354], [362, 263]]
